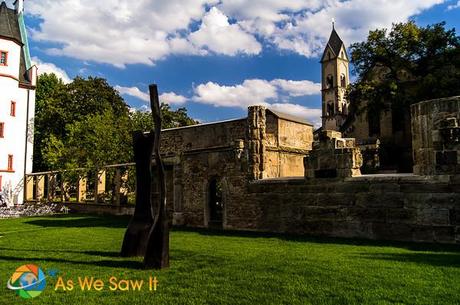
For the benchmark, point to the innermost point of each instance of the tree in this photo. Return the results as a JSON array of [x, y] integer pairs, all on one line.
[[407, 65], [48, 116], [86, 123], [92, 142], [142, 120]]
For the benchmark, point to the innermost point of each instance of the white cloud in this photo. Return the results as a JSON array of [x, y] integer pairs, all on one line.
[[168, 98], [312, 115], [134, 92], [453, 6], [298, 88], [173, 98], [46, 67], [121, 32], [261, 92], [116, 32], [219, 36], [250, 92], [253, 92]]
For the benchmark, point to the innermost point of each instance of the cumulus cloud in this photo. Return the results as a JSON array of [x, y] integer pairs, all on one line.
[[298, 88], [121, 32], [312, 115], [170, 98], [250, 92], [134, 92], [219, 36], [173, 98], [46, 67], [261, 92], [253, 92]]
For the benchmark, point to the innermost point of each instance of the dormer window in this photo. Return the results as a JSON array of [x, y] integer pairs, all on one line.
[[3, 58]]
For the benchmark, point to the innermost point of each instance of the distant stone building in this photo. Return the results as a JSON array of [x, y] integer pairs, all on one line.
[[17, 102], [390, 129], [207, 161]]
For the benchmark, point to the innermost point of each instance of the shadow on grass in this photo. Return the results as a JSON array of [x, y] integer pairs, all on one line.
[[325, 240], [433, 259], [193, 258], [80, 221], [101, 263], [85, 221]]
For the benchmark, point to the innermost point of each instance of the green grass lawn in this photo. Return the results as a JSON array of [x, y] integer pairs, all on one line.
[[228, 268]]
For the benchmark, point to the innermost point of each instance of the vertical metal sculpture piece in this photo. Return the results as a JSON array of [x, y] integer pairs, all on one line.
[[157, 252], [136, 236]]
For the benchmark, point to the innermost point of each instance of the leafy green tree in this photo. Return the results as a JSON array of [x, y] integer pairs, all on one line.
[[143, 121], [404, 66], [87, 124], [94, 141], [48, 119]]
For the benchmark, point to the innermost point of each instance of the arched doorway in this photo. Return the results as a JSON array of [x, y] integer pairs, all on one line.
[[215, 204]]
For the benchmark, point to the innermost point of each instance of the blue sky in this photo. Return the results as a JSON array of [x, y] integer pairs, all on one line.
[[213, 57]]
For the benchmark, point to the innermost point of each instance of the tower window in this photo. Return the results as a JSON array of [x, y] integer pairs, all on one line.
[[329, 81], [330, 109], [3, 58], [343, 81], [13, 109], [2, 129], [10, 163]]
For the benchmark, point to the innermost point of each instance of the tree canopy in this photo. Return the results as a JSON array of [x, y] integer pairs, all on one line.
[[86, 123], [405, 65]]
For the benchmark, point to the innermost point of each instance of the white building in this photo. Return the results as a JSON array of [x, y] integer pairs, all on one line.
[[17, 103]]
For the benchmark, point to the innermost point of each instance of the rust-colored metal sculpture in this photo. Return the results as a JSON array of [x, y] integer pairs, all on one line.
[[157, 252]]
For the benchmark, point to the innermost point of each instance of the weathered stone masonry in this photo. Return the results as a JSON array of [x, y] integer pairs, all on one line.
[[259, 163], [408, 208]]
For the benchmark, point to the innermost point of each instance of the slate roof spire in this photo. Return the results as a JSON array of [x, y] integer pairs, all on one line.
[[335, 42]]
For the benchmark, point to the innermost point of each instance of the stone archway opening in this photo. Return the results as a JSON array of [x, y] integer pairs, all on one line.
[[215, 204]]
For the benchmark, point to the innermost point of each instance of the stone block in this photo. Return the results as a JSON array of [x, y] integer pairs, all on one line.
[[384, 187], [398, 215], [440, 217], [423, 234], [444, 234]]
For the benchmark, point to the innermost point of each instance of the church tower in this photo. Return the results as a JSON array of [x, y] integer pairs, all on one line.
[[335, 79]]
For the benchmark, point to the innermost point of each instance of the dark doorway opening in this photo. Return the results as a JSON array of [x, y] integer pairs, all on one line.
[[215, 204]]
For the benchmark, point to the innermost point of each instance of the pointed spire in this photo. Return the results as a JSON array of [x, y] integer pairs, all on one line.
[[333, 24]]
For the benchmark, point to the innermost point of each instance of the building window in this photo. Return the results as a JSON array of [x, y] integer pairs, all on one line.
[[2, 129], [3, 58], [10, 163], [330, 109], [13, 109], [343, 81], [329, 81]]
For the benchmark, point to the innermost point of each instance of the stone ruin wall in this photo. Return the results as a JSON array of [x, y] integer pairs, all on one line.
[[436, 136], [405, 208]]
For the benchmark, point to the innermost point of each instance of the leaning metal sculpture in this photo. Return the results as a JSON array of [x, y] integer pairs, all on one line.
[[157, 252], [148, 231]]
